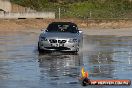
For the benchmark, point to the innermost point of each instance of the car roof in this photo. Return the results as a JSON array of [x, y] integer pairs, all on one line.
[[64, 23]]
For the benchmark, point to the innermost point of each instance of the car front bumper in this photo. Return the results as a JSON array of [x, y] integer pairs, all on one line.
[[45, 45]]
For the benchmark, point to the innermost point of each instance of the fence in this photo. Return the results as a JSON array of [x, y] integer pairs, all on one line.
[[93, 14], [38, 15]]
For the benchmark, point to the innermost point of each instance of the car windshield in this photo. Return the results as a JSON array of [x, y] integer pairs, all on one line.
[[62, 28]]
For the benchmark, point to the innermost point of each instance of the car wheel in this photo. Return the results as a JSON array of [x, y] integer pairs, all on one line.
[[40, 50]]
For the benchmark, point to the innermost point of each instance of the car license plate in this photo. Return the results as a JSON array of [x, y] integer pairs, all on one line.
[[61, 45], [54, 45]]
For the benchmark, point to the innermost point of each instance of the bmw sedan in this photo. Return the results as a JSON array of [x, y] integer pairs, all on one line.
[[60, 36]]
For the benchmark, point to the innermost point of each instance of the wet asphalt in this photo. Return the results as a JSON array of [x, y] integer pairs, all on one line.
[[22, 66]]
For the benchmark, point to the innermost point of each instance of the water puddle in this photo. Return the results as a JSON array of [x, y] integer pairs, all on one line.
[[21, 66]]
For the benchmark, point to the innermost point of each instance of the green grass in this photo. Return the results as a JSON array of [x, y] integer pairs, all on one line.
[[97, 8]]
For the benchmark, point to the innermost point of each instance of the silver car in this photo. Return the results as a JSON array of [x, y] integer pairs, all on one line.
[[60, 36]]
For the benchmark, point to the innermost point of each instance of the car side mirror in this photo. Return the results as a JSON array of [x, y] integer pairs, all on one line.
[[42, 29], [46, 30]]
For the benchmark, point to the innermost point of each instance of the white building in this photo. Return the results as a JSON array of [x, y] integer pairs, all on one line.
[[5, 5], [10, 10]]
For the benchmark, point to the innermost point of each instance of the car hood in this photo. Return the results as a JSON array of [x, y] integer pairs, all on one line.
[[60, 35]]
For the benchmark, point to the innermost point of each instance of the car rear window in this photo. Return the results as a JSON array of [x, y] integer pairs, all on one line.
[[62, 28]]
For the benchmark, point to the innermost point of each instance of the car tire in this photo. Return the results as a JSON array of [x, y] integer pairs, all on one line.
[[40, 50]]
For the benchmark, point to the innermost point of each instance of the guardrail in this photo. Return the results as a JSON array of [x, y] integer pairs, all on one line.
[[37, 15]]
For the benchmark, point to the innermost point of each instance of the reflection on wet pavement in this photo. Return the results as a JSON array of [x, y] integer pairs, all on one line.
[[21, 66]]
